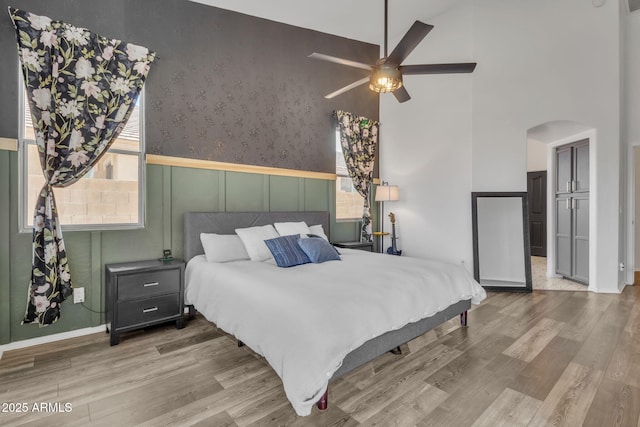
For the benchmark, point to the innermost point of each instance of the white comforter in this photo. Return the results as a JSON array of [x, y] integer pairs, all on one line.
[[304, 320]]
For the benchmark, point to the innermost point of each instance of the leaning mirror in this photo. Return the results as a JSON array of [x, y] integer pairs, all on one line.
[[501, 253]]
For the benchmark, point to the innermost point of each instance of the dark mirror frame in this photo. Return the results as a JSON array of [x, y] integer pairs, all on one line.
[[525, 230]]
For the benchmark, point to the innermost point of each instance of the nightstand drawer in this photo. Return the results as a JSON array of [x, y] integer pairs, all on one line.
[[143, 285], [148, 310]]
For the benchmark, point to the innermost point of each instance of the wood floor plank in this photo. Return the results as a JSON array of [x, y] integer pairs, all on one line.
[[582, 325], [188, 341], [186, 386], [285, 416], [535, 340], [510, 409], [476, 391], [245, 371], [601, 343], [409, 408], [77, 417], [204, 408], [539, 376], [568, 402], [615, 404], [624, 365], [362, 406], [221, 419], [261, 405]]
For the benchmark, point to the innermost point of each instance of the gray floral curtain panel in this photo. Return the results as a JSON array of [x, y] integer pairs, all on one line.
[[81, 88], [359, 138]]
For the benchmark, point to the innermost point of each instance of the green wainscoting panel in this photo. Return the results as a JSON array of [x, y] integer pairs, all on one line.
[[5, 247], [317, 195], [245, 192], [170, 192], [192, 190], [284, 194], [96, 298]]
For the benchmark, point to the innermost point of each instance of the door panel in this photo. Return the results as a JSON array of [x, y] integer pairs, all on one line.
[[563, 237], [581, 240], [581, 167], [537, 194], [563, 170]]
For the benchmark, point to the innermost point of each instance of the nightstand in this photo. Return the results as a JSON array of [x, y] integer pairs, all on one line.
[[363, 246], [143, 293]]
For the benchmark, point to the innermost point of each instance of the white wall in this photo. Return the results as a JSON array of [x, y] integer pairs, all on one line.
[[426, 147], [631, 135], [536, 156], [543, 61]]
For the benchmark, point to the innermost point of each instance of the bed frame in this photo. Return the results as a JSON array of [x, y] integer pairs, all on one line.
[[226, 223]]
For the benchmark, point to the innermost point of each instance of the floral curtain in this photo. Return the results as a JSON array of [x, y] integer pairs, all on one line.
[[359, 138], [81, 88]]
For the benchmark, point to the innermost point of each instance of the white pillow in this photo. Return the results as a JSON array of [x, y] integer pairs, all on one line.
[[223, 247], [291, 228], [253, 239], [318, 231]]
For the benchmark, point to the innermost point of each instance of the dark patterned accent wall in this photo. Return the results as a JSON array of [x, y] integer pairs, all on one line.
[[226, 86]]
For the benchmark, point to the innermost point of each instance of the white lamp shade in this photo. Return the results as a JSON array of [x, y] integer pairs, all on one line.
[[386, 193]]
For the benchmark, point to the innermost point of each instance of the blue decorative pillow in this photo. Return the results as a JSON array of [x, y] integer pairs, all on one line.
[[318, 250], [286, 251]]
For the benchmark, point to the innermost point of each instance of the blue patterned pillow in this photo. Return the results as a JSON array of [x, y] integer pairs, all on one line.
[[286, 251], [318, 250]]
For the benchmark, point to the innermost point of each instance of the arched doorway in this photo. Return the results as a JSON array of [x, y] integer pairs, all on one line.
[[567, 222]]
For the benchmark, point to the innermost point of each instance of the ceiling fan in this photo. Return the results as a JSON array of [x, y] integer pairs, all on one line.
[[386, 73]]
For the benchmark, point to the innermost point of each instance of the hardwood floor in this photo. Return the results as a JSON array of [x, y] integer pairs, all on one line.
[[547, 358]]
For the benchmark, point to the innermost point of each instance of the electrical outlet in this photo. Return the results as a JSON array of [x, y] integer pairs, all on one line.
[[622, 266], [78, 295]]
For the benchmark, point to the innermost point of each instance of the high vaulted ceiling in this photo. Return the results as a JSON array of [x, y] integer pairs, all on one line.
[[355, 19]]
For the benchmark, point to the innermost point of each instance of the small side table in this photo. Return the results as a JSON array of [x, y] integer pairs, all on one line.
[[143, 293], [363, 246]]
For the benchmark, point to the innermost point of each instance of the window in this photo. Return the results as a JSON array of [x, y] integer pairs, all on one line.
[[109, 196], [349, 203]]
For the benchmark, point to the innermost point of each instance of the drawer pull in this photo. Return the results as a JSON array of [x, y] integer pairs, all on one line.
[[147, 285], [149, 310]]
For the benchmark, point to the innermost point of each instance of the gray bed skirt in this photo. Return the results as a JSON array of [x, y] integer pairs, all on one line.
[[392, 339]]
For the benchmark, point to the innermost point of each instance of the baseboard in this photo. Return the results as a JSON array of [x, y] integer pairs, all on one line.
[[51, 338]]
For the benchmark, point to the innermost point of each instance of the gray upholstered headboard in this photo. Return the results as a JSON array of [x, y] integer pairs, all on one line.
[[226, 223]]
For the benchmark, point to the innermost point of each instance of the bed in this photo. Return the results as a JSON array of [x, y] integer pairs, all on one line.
[[316, 322]]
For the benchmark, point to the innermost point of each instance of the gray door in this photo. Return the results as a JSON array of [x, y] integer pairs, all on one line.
[[572, 211], [537, 194]]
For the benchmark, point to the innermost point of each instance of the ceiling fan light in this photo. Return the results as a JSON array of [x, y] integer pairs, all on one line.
[[385, 78]]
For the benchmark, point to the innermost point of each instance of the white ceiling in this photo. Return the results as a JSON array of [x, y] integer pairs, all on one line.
[[354, 19]]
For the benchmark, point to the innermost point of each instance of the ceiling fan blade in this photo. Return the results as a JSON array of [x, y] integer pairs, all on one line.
[[401, 94], [465, 67], [347, 88], [341, 61], [411, 39]]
